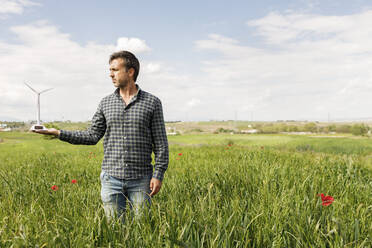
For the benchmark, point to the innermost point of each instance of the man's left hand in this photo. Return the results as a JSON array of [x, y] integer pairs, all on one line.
[[155, 185]]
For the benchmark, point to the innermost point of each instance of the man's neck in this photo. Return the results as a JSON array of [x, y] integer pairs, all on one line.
[[129, 90]]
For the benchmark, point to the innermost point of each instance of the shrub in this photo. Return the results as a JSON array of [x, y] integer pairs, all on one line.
[[196, 130], [311, 127], [223, 130], [343, 129], [359, 129]]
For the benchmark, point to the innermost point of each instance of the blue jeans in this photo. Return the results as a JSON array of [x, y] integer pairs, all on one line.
[[115, 194]]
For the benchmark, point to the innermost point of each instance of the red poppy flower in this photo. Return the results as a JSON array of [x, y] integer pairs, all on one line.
[[229, 145], [54, 187], [180, 154], [326, 200], [73, 181]]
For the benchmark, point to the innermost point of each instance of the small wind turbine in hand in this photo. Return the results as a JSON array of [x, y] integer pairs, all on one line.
[[38, 126]]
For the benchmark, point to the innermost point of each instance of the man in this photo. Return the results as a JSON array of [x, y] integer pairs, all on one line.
[[133, 124]]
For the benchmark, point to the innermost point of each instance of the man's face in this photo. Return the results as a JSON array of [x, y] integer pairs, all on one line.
[[119, 74]]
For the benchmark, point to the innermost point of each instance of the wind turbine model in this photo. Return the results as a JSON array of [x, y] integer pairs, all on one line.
[[38, 126]]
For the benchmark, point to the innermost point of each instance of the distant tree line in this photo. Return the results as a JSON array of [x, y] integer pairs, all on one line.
[[355, 129], [359, 129]]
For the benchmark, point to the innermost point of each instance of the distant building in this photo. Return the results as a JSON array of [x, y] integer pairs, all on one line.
[[7, 129], [250, 131], [171, 131], [297, 133]]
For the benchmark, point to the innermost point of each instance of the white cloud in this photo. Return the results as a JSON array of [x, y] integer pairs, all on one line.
[[303, 66], [134, 45], [193, 102], [282, 29], [14, 6], [152, 67], [45, 57], [307, 62]]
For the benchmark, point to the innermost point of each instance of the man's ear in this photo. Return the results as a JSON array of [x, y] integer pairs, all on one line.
[[131, 72]]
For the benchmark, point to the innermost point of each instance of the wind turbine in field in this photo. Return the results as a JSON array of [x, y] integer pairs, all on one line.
[[38, 126]]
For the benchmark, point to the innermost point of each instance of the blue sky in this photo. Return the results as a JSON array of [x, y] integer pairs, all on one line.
[[206, 60]]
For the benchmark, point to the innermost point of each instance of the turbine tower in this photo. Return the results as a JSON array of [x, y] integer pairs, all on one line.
[[38, 126]]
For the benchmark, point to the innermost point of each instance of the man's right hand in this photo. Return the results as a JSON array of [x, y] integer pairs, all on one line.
[[49, 131]]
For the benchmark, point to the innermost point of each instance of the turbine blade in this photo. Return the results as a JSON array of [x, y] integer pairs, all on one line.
[[46, 90], [31, 88]]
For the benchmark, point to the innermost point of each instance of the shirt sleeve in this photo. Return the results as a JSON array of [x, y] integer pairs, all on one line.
[[160, 142], [89, 137]]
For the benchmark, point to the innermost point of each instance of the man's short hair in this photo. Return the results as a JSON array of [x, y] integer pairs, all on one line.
[[130, 61]]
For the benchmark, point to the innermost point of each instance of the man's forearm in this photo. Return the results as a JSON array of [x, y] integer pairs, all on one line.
[[89, 137], [80, 137], [49, 131], [161, 161]]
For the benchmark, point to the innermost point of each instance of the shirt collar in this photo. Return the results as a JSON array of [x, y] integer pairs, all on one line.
[[117, 91]]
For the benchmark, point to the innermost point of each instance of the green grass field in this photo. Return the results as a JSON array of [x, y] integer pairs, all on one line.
[[261, 191]]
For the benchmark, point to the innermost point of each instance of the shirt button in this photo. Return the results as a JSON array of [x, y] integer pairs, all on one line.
[[126, 165], [125, 137], [125, 151]]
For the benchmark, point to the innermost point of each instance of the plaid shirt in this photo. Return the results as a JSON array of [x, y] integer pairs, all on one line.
[[131, 132]]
